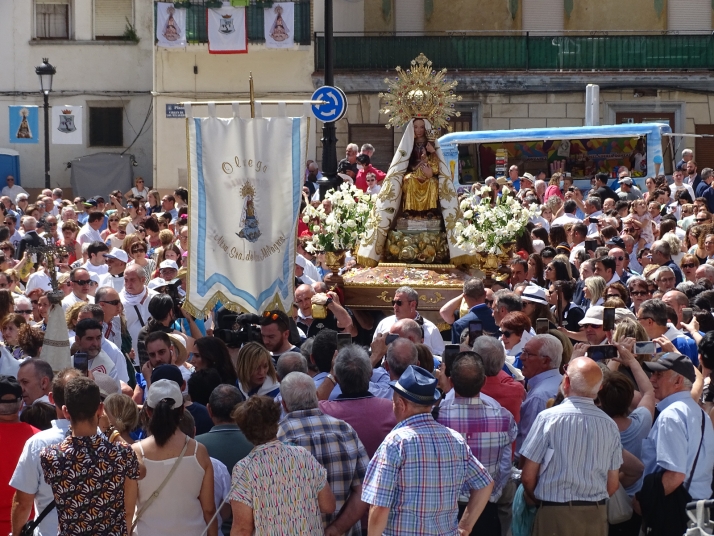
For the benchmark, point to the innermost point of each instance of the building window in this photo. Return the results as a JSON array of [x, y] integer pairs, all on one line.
[[688, 16], [52, 20], [409, 17], [543, 17], [106, 127], [111, 18]]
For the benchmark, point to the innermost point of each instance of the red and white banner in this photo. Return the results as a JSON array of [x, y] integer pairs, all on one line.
[[227, 33]]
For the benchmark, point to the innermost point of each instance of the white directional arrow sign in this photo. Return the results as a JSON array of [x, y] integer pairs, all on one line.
[[335, 106]]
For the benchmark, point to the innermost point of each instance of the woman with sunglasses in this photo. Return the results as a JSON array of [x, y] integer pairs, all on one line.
[[513, 326], [112, 226], [138, 256], [618, 290], [556, 271], [639, 289], [689, 265], [9, 250], [116, 240], [138, 190], [70, 229]]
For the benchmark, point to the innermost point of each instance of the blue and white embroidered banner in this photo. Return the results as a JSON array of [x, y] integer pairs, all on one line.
[[245, 181]]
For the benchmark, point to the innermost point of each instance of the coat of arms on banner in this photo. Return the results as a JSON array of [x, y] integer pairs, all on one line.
[[23, 124], [67, 125], [172, 32], [66, 122], [227, 24], [248, 221]]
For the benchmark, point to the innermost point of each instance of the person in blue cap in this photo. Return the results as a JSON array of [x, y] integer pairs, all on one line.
[[414, 479]]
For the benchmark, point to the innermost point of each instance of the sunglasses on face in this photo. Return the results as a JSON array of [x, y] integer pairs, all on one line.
[[34, 302], [397, 302], [82, 282], [702, 220], [507, 334], [687, 266], [111, 302], [23, 311]]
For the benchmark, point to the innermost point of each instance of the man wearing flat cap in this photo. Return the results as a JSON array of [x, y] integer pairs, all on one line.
[[681, 434], [411, 493]]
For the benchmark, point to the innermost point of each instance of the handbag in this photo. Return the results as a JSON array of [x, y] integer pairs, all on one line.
[[619, 507], [28, 529], [158, 490], [666, 514]]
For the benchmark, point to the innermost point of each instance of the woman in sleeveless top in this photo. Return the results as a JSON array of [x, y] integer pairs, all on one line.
[[185, 504]]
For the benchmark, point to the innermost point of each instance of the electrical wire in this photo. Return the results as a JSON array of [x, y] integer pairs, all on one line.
[[141, 130]]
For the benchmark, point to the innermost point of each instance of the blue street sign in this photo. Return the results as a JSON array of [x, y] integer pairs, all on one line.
[[335, 107]]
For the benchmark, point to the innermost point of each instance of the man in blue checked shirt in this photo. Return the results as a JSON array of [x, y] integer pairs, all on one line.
[[414, 480], [571, 458]]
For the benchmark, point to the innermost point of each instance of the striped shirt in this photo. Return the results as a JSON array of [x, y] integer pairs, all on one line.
[[488, 430], [280, 483], [541, 388], [334, 444], [576, 444], [418, 472]]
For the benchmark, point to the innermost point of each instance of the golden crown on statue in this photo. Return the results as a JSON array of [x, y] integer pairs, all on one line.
[[247, 190], [66, 112], [420, 91]]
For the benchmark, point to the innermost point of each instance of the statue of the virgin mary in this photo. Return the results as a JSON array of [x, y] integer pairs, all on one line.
[[417, 208]]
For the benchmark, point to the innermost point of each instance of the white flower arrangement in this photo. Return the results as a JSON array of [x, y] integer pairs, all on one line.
[[345, 224], [485, 229]]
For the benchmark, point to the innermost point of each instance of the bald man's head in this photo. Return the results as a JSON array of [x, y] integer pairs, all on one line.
[[408, 329], [582, 378]]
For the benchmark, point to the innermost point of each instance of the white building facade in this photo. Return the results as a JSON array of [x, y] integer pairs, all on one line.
[[102, 50]]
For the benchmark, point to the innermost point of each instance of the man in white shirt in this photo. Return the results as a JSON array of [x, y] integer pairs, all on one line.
[[569, 208], [28, 480], [35, 378], [12, 189], [15, 236], [96, 263], [116, 261], [96, 312], [135, 298], [110, 302], [80, 288], [679, 184], [90, 231], [405, 303], [89, 339], [578, 234], [606, 268]]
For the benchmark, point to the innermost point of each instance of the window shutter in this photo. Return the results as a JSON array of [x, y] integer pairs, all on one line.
[[409, 16], [689, 16], [543, 16], [110, 17], [704, 147]]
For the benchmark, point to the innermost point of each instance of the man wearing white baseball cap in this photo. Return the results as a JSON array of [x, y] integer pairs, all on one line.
[[592, 324], [168, 270], [116, 261]]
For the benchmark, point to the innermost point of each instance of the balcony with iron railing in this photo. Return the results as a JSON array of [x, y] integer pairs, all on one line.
[[522, 51], [197, 25]]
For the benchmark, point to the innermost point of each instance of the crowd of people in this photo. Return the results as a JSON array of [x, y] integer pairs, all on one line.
[[581, 406]]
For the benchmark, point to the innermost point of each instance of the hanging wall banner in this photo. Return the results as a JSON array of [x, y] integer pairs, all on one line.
[[24, 125], [245, 180], [280, 25], [170, 25], [66, 125], [227, 32]]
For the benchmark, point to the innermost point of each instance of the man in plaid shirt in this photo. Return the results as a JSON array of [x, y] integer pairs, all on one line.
[[488, 428], [414, 480], [334, 444]]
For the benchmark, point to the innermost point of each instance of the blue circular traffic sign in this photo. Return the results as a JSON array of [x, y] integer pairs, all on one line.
[[335, 106]]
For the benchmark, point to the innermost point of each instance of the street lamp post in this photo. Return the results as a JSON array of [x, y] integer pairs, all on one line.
[[329, 138], [45, 72]]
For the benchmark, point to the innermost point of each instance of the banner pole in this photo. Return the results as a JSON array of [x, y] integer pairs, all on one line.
[[252, 96]]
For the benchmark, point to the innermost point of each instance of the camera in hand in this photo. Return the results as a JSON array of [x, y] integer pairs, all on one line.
[[172, 289], [602, 351], [237, 329]]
